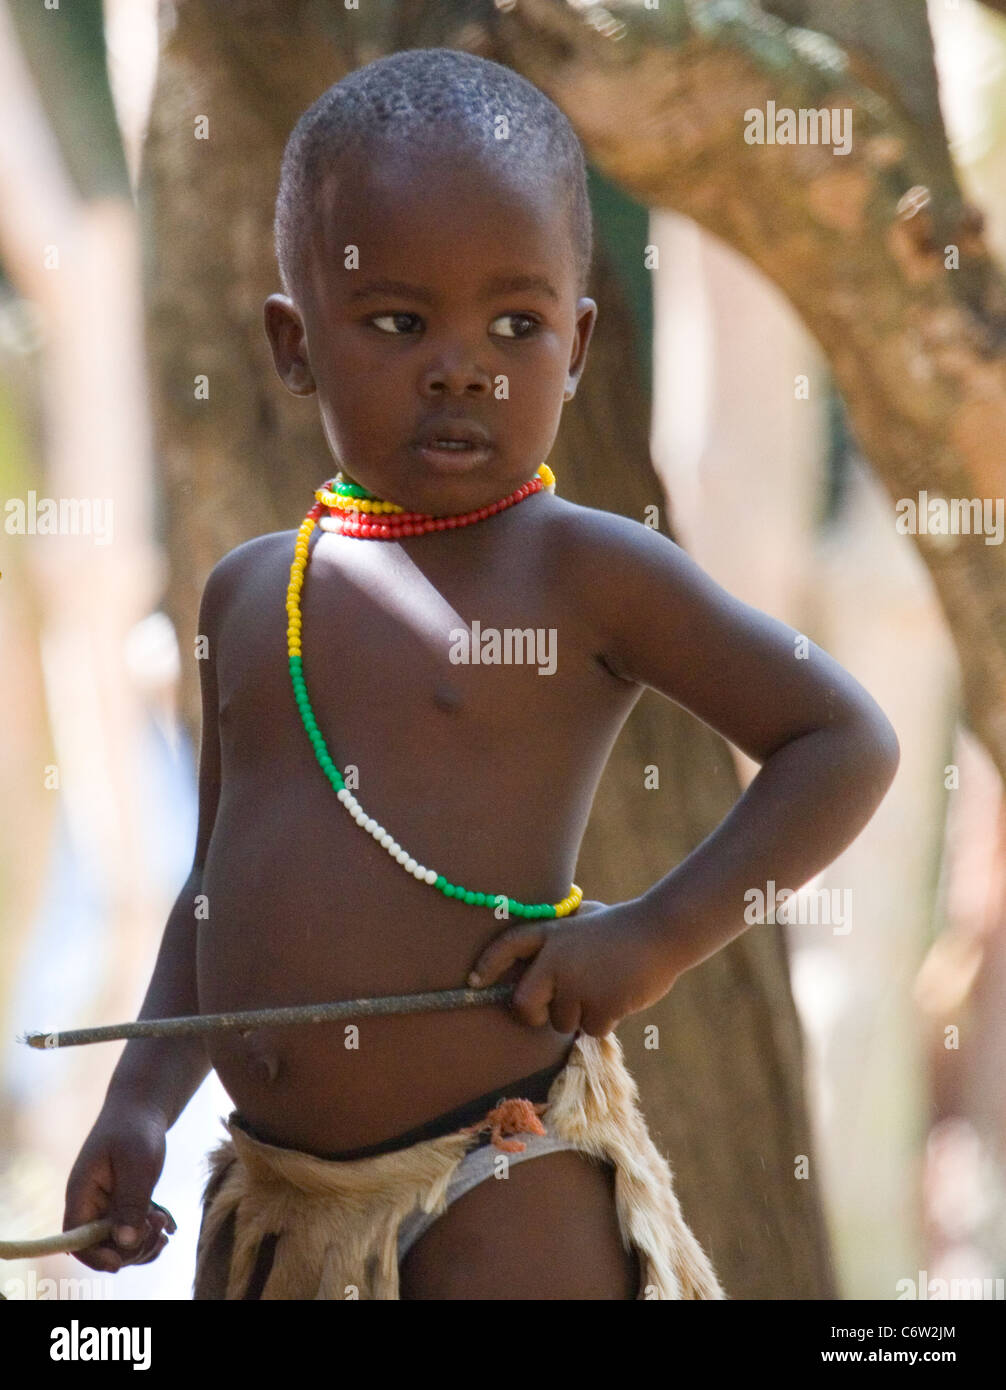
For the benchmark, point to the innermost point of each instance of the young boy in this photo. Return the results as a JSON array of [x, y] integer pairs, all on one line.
[[434, 239]]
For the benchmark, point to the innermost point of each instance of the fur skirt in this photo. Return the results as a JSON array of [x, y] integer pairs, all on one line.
[[331, 1227]]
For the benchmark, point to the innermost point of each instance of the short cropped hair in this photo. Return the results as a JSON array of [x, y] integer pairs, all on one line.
[[437, 90]]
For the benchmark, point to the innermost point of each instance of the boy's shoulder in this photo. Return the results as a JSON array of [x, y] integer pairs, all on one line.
[[656, 613], [626, 577], [251, 553], [588, 536], [253, 561], [596, 526]]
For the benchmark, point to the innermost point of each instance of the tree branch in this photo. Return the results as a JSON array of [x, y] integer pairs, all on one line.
[[890, 50]]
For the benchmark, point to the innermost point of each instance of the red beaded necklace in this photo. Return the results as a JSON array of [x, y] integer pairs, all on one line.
[[352, 509]]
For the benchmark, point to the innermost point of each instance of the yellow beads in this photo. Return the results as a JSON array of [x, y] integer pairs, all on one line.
[[571, 902], [355, 504], [297, 569]]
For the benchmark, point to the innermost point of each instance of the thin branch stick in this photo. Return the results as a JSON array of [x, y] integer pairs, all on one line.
[[81, 1237], [62, 1243], [276, 1018]]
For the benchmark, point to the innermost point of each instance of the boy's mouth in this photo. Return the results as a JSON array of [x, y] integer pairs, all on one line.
[[453, 446]]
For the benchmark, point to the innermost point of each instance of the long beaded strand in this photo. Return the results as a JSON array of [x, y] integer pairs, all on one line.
[[347, 502]]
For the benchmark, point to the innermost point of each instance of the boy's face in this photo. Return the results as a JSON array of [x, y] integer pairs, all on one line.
[[447, 348]]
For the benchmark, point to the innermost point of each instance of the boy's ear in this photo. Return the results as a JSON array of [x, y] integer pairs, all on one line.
[[586, 318], [285, 330]]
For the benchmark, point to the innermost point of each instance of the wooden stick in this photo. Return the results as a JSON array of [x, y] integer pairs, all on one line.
[[276, 1018], [63, 1243]]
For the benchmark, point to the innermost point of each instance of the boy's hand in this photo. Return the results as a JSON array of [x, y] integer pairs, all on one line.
[[114, 1175], [584, 974]]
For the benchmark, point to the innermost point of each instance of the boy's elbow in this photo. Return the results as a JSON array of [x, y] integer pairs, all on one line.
[[881, 749], [868, 743]]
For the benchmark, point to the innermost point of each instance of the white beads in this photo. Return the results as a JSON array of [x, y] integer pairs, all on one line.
[[385, 839]]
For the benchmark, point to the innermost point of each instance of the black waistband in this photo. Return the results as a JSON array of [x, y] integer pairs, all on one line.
[[534, 1088]]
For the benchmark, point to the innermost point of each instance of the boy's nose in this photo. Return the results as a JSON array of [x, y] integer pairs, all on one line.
[[457, 378]]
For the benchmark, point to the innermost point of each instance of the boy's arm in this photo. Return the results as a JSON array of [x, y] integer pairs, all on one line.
[[828, 752], [165, 1073], [828, 755], [121, 1159]]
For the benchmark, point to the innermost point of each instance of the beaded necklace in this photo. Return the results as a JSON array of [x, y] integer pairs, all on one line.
[[351, 511]]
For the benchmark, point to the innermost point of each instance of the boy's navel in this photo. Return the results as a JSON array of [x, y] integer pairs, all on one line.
[[261, 1062], [264, 1068]]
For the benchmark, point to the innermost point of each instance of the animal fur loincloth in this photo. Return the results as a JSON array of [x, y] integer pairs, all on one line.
[[331, 1227]]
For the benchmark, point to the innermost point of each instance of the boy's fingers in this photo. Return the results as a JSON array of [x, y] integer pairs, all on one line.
[[130, 1216], [152, 1234], [104, 1257], [533, 996], [517, 943], [129, 1232], [597, 1025], [152, 1245], [157, 1220], [169, 1220], [86, 1199], [153, 1253], [564, 1012]]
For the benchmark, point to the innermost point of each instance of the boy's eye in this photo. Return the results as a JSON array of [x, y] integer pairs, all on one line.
[[529, 322], [394, 319]]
